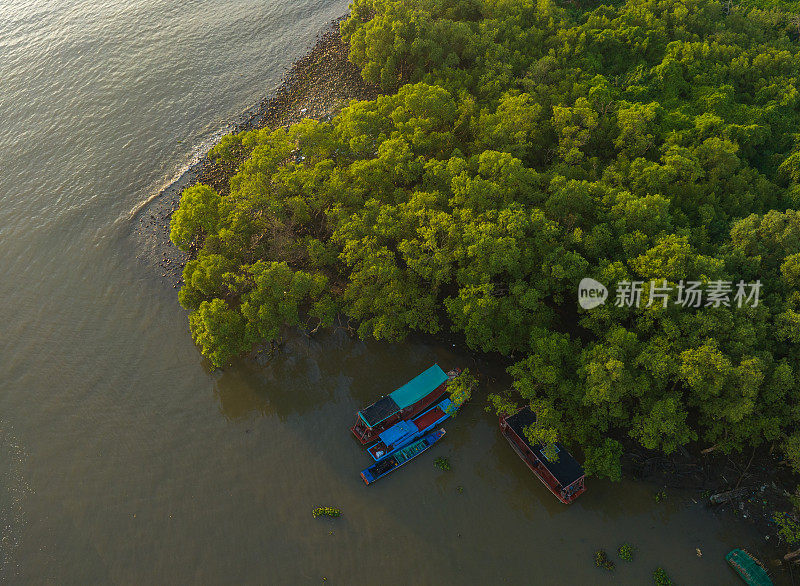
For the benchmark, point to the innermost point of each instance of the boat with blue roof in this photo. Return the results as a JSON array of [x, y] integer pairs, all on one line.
[[400, 457], [403, 433], [404, 404]]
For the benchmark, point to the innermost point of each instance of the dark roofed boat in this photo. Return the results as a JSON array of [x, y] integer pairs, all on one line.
[[405, 403], [563, 476], [400, 457]]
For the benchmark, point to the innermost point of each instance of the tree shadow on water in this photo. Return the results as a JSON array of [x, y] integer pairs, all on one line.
[[305, 373], [293, 380]]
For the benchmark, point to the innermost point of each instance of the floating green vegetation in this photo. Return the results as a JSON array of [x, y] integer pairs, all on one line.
[[601, 560], [660, 496], [442, 463], [788, 527], [326, 512], [626, 551], [661, 578]]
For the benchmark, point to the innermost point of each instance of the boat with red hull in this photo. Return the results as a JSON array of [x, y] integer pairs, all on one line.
[[404, 404], [563, 476], [403, 433]]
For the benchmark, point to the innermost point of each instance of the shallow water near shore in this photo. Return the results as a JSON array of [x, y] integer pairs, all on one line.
[[124, 459]]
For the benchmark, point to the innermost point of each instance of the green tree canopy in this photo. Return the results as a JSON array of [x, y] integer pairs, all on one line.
[[520, 147]]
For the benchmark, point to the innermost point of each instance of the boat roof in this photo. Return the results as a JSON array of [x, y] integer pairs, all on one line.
[[566, 468], [378, 411], [418, 387], [748, 568], [397, 431], [411, 392]]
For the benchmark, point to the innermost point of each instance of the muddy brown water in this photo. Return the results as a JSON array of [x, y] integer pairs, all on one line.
[[125, 460]]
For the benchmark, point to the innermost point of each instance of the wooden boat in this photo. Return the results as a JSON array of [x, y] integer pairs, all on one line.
[[748, 567], [403, 433], [405, 403], [563, 476], [400, 457]]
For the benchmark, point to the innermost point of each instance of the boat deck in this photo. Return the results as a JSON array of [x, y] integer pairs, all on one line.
[[400, 457], [565, 469], [405, 430], [427, 419], [411, 451], [378, 411]]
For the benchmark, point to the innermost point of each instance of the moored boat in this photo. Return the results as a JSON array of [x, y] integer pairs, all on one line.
[[748, 567], [563, 476], [400, 457], [403, 433], [407, 402]]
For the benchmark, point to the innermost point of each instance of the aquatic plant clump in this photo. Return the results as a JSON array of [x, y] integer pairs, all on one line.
[[625, 552], [442, 463], [326, 512], [661, 578], [601, 560]]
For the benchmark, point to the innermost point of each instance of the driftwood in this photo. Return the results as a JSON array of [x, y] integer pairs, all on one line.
[[724, 497], [792, 555]]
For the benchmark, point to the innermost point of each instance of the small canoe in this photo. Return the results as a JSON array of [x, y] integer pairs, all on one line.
[[403, 433], [748, 567], [400, 457], [407, 402]]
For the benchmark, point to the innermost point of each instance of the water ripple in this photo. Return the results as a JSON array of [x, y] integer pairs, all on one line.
[[13, 492]]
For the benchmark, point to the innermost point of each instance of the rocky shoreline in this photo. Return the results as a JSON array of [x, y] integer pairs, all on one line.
[[316, 86]]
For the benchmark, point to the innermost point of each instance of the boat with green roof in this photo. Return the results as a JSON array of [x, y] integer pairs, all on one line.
[[748, 567], [404, 404]]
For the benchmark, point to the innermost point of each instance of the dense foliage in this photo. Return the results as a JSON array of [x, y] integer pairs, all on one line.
[[518, 149]]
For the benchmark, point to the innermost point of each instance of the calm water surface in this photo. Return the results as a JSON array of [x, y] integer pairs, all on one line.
[[124, 460]]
